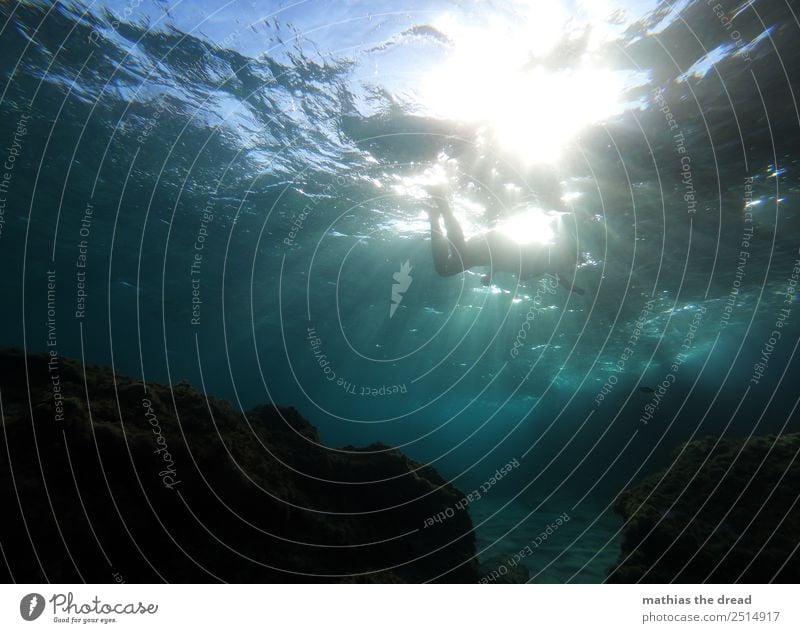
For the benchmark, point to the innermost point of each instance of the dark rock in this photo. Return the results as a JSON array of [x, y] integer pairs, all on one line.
[[166, 484], [720, 514]]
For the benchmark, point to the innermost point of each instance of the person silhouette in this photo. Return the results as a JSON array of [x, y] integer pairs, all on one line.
[[452, 254]]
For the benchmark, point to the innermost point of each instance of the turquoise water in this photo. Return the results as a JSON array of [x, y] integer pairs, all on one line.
[[224, 193]]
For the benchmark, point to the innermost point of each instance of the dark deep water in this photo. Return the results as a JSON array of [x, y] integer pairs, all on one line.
[[222, 194]]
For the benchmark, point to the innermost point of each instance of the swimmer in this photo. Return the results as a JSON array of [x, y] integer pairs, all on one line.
[[452, 254]]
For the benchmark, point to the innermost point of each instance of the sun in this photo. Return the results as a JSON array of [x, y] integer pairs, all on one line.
[[531, 226], [532, 110]]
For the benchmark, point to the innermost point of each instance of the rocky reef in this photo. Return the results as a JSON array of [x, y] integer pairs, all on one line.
[[719, 514], [102, 480]]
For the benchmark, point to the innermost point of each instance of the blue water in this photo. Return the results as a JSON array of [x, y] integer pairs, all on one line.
[[265, 161]]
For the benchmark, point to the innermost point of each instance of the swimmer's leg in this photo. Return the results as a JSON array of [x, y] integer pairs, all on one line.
[[439, 245], [448, 252], [454, 232]]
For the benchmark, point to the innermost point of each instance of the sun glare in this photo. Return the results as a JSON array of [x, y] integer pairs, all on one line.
[[532, 110], [530, 226]]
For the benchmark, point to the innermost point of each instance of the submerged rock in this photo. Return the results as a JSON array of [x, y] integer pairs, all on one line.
[[102, 481], [720, 514]]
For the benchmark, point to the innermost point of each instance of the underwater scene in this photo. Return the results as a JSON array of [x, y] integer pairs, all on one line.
[[410, 291]]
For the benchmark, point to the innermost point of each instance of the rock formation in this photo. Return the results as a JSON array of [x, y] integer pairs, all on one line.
[[720, 514], [104, 481]]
